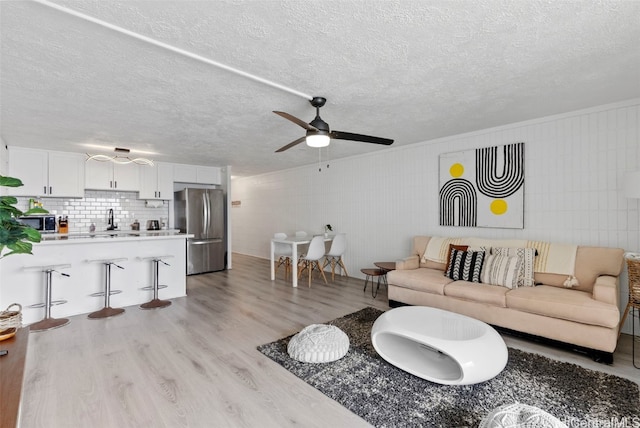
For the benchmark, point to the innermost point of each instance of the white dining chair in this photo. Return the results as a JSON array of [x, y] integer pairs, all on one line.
[[334, 256], [283, 252], [303, 247], [311, 260]]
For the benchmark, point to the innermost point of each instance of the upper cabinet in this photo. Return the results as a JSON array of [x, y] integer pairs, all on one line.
[[47, 173], [197, 174], [156, 182], [112, 176]]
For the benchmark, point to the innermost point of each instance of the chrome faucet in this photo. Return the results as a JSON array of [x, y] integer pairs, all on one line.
[[111, 224]]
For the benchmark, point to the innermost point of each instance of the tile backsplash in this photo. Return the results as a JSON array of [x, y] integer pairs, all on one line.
[[94, 207]]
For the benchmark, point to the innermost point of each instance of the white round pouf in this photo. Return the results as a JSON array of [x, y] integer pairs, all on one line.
[[318, 343], [519, 415]]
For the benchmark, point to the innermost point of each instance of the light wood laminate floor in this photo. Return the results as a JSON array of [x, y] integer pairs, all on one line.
[[195, 363]]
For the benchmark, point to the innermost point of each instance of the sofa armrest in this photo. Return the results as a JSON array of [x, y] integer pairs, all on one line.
[[411, 262], [606, 290]]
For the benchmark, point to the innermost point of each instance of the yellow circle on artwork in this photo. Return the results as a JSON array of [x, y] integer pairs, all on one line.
[[456, 170], [499, 206]]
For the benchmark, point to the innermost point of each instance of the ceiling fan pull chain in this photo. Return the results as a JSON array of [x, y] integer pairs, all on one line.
[[319, 160]]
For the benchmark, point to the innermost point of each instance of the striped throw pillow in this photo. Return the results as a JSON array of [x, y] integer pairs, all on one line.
[[465, 265], [527, 259], [502, 270]]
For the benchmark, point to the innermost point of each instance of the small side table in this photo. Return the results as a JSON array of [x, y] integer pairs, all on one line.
[[386, 266], [370, 274]]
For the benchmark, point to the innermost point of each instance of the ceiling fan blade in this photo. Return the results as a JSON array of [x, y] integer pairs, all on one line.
[[291, 144], [297, 121], [339, 135]]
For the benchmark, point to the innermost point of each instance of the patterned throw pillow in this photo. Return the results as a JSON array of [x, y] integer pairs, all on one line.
[[465, 265], [527, 259], [454, 247], [502, 270]]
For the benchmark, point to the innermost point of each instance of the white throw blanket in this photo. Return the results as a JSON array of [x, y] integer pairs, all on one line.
[[551, 258], [438, 247], [554, 258]]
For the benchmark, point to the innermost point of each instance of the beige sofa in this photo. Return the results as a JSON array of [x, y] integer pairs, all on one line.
[[586, 316]]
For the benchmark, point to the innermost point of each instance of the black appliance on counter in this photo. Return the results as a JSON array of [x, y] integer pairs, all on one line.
[[153, 225]]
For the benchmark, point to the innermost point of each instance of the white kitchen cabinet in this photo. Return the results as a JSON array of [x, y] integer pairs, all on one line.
[[46, 173], [197, 174], [156, 182], [112, 176], [207, 175]]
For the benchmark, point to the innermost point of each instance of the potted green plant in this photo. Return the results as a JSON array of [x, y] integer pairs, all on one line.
[[15, 237], [327, 229]]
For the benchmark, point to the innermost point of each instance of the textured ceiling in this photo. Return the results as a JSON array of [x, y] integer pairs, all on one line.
[[407, 70]]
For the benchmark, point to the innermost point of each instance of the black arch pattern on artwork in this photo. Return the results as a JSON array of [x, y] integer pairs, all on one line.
[[500, 184], [463, 192]]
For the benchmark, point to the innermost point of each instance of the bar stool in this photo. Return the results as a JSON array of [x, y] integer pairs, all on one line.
[[155, 303], [107, 311], [47, 323]]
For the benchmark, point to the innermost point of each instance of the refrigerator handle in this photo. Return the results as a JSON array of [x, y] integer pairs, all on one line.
[[208, 212], [205, 214]]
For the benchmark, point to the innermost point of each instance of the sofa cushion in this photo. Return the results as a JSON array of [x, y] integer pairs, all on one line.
[[504, 271], [465, 265], [481, 293], [422, 279], [527, 258], [563, 303]]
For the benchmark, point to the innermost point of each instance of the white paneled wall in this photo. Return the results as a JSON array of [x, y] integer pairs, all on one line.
[[574, 166]]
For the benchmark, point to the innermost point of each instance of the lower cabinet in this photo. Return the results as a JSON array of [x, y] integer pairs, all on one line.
[[23, 281]]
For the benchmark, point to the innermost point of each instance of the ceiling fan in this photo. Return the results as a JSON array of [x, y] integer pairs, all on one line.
[[319, 134]]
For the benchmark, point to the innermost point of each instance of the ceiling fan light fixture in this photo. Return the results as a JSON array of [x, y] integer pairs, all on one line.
[[318, 140]]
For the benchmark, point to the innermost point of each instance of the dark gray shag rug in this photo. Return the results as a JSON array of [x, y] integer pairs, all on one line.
[[386, 396]]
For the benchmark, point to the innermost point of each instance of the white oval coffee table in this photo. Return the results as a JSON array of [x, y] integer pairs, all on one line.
[[439, 346]]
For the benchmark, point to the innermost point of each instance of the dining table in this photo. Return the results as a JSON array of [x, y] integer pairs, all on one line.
[[295, 242]]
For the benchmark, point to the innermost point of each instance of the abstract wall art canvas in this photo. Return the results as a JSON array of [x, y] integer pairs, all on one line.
[[483, 187]]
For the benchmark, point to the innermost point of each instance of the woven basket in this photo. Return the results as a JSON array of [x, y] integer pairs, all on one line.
[[11, 318], [633, 265]]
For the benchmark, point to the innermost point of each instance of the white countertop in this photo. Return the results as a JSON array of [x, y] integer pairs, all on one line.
[[109, 236]]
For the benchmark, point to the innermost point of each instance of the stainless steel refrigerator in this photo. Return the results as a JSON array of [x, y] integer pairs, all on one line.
[[201, 212]]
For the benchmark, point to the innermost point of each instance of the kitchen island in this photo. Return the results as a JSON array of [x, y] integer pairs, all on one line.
[[22, 280]]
